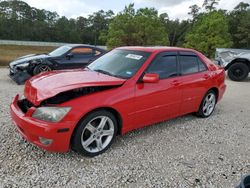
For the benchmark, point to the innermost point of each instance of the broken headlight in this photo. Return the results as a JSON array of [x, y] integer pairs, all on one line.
[[50, 114]]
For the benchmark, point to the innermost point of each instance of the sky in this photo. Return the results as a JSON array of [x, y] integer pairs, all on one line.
[[176, 9]]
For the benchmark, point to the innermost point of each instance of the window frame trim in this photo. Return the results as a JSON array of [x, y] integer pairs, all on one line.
[[178, 54]]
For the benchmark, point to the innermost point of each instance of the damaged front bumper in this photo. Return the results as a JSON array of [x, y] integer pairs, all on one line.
[[49, 136], [19, 76]]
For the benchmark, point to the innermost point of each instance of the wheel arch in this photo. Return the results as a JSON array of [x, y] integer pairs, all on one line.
[[115, 113], [216, 90], [109, 109], [41, 62], [239, 60]]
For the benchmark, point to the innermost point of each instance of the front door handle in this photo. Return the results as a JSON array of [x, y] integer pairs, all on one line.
[[175, 83]]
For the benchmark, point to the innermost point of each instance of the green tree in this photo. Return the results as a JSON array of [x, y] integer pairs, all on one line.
[[209, 5], [242, 6], [99, 23], [176, 29], [239, 25], [19, 21], [66, 30], [85, 33], [209, 32], [194, 11], [141, 27]]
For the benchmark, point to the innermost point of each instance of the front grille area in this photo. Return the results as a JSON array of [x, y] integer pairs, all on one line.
[[24, 105]]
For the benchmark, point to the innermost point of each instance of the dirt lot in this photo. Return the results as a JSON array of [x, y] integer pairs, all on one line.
[[184, 152], [11, 52]]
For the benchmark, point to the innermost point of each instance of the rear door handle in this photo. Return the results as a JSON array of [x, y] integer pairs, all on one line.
[[206, 76]]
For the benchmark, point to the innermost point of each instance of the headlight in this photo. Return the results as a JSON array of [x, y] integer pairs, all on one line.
[[23, 65], [51, 114]]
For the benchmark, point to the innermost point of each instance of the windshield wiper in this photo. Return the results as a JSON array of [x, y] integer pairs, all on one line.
[[108, 73], [104, 72]]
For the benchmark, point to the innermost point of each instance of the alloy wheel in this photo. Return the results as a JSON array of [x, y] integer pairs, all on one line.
[[44, 68], [97, 134], [209, 104]]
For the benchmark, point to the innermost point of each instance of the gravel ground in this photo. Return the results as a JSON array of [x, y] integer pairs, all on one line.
[[184, 152]]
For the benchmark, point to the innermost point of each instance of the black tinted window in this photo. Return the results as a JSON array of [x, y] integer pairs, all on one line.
[[189, 64], [165, 66]]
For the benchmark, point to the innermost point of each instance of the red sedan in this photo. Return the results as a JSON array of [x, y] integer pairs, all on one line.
[[126, 89]]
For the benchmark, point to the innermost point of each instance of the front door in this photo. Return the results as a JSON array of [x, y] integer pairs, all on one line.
[[160, 101], [78, 57]]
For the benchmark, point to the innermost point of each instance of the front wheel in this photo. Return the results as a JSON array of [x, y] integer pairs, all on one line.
[[41, 68], [238, 72], [95, 133], [207, 105]]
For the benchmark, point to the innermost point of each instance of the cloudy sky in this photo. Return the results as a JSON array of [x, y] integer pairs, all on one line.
[[74, 8]]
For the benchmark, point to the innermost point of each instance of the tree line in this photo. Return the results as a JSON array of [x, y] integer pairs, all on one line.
[[209, 28]]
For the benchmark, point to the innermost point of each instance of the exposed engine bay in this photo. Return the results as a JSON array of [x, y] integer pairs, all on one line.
[[72, 94], [24, 104]]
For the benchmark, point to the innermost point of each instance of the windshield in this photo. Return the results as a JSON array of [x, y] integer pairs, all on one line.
[[120, 63], [60, 51]]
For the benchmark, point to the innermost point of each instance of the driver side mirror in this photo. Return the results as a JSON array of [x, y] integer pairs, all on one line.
[[150, 78], [69, 56]]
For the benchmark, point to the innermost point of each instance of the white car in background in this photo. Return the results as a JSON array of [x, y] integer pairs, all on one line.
[[235, 61]]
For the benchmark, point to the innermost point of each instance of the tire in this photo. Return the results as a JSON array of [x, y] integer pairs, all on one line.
[[95, 133], [207, 105], [238, 72], [41, 68]]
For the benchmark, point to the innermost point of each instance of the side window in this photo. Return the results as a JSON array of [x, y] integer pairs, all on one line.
[[165, 66], [189, 64], [82, 51], [202, 67]]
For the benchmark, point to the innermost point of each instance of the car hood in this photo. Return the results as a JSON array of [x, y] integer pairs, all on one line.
[[27, 58], [49, 84]]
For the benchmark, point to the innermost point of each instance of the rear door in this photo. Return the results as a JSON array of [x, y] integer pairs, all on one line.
[[195, 78]]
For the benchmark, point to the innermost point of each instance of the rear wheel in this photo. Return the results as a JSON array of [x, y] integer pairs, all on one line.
[[207, 105], [95, 133], [41, 68], [238, 71]]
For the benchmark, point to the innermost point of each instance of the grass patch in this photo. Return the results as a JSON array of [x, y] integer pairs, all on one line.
[[10, 52]]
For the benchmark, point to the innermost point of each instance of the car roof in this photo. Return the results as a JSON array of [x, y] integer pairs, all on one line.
[[156, 48], [85, 45]]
